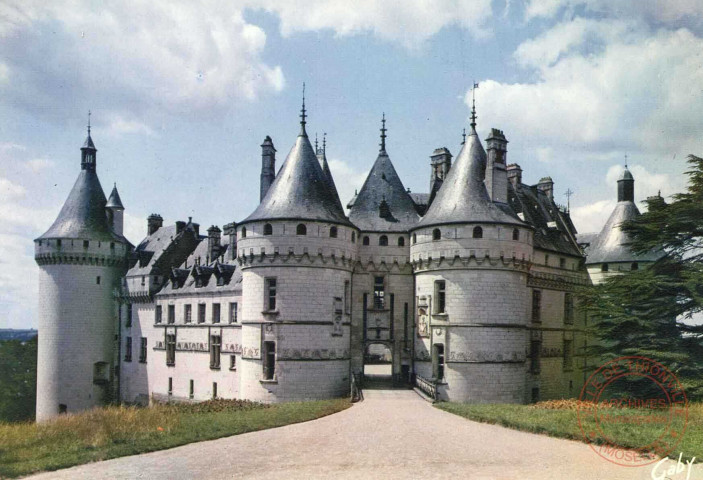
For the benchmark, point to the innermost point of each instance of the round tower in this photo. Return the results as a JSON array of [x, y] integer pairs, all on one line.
[[471, 260], [81, 259], [296, 251]]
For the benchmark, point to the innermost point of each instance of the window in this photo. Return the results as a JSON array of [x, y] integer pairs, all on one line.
[[438, 361], [86, 243], [378, 293], [171, 314], [301, 229], [232, 362], [568, 308], [214, 390], [142, 350], [568, 354], [401, 241], [516, 234], [101, 373], [215, 349], [63, 408], [347, 303], [414, 238], [353, 237], [535, 347], [112, 245], [158, 314], [478, 232], [546, 260], [201, 313], [268, 229], [270, 289], [365, 240], [187, 313], [58, 243], [143, 280], [604, 267], [440, 296], [536, 306], [383, 241], [333, 232], [634, 266], [269, 360], [191, 389], [562, 263], [244, 232], [128, 349], [436, 234], [97, 280], [215, 313], [128, 323], [170, 349], [233, 312], [170, 385]]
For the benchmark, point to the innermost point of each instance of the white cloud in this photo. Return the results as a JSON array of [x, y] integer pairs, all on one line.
[[347, 179], [9, 190], [37, 165], [18, 282], [407, 22], [120, 126], [591, 217], [658, 11]]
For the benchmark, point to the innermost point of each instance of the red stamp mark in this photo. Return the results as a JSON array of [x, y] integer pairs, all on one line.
[[631, 407]]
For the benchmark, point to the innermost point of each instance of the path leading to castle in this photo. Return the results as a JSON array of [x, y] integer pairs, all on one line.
[[391, 434]]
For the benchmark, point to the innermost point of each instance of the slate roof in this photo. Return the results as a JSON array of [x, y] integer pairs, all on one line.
[[163, 249], [322, 157], [463, 196], [114, 201], [300, 190], [383, 204]]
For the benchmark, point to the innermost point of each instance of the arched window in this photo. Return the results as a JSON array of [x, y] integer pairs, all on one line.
[[401, 241], [414, 238], [301, 229], [333, 232], [516, 234], [436, 234], [604, 267], [383, 241], [478, 232], [366, 240], [353, 237], [268, 229], [244, 232], [635, 266]]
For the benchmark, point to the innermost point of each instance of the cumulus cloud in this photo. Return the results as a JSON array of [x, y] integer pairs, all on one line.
[[37, 165], [346, 178]]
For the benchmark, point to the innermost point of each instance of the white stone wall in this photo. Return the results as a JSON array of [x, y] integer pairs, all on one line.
[[77, 318]]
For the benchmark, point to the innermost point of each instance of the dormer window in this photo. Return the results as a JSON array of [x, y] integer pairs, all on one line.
[[436, 234], [268, 229], [516, 234], [478, 232], [301, 229], [244, 232], [333, 232], [383, 241]]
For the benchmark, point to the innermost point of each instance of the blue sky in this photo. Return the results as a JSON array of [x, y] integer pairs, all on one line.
[[183, 93]]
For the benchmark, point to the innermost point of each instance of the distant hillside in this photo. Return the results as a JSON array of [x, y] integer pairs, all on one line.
[[14, 334]]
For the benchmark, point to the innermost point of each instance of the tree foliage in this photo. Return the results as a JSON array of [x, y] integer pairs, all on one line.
[[18, 379], [650, 311]]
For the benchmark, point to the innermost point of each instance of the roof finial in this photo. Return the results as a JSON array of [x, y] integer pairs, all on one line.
[[473, 107], [383, 132], [324, 142], [316, 149], [626, 160], [463, 136], [88, 122], [302, 115]]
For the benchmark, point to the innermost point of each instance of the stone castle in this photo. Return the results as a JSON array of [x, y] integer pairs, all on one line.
[[467, 291]]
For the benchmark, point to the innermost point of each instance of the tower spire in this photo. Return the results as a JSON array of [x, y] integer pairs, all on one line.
[[473, 107], [463, 136], [303, 116], [383, 132], [317, 150], [88, 122], [324, 142]]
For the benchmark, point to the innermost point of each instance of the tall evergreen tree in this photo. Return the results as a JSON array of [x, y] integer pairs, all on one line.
[[652, 311]]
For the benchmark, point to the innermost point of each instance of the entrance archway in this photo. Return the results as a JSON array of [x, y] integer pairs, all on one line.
[[378, 363]]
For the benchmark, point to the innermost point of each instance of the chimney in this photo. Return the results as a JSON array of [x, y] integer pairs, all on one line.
[[496, 172], [514, 174], [440, 163], [268, 166], [547, 186], [180, 226], [153, 223], [231, 230], [213, 242]]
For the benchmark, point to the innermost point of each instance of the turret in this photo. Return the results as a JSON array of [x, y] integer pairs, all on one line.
[[440, 163], [268, 166], [115, 212], [496, 171], [213, 242], [626, 187], [77, 326], [546, 185]]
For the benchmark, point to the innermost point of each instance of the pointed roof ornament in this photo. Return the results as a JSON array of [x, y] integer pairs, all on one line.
[[114, 201], [317, 150], [324, 143], [88, 141], [473, 107], [303, 133], [88, 122], [463, 136], [383, 132]]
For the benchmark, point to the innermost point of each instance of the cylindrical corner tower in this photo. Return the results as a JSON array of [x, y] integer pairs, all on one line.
[[81, 260], [471, 262], [296, 251]]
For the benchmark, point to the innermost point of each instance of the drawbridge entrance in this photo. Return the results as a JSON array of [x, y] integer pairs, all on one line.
[[378, 366]]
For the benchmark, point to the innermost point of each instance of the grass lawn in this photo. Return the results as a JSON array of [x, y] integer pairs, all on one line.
[[112, 432], [564, 423]]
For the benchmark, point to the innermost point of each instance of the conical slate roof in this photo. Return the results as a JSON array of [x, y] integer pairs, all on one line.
[[463, 196], [300, 190], [114, 201], [322, 157], [83, 213], [383, 204], [89, 142]]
